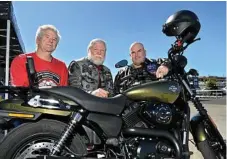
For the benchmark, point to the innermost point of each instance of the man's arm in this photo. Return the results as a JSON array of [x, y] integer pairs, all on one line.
[[110, 85], [75, 75], [116, 83], [18, 72]]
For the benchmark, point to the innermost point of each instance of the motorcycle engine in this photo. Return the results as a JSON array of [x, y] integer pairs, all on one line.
[[150, 148], [159, 114], [131, 116]]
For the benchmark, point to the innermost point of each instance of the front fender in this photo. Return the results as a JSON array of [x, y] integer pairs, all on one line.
[[197, 128]]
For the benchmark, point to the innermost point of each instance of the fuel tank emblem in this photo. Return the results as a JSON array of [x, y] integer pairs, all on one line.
[[173, 89]]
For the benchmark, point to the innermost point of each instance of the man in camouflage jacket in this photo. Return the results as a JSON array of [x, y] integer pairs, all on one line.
[[90, 74]]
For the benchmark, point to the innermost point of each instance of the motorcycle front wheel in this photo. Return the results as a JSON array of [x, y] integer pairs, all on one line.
[[30, 140], [206, 151], [211, 148]]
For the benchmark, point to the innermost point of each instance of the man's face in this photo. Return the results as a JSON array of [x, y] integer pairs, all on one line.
[[137, 54], [48, 41], [97, 53]]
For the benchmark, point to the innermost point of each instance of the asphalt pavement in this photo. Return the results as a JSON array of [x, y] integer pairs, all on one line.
[[216, 108]]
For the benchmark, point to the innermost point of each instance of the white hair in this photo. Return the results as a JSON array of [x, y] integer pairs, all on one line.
[[43, 28], [93, 42], [135, 44]]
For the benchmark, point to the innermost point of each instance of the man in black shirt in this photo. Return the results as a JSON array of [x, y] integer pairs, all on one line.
[[142, 69]]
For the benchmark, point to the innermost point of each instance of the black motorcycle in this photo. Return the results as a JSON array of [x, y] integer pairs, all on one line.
[[55, 118]]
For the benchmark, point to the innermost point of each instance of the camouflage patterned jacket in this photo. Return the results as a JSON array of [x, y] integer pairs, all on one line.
[[86, 75], [144, 74]]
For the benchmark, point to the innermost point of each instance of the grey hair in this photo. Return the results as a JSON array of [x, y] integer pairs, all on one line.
[[43, 28], [135, 44], [94, 41]]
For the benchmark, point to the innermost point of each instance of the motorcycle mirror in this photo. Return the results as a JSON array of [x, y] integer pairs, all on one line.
[[121, 63], [193, 72]]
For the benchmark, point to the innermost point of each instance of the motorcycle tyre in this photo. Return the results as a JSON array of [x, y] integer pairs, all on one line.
[[30, 131]]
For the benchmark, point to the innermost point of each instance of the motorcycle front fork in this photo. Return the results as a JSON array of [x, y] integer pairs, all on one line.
[[185, 133]]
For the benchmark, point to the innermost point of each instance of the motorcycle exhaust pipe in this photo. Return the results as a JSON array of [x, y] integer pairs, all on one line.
[[155, 133]]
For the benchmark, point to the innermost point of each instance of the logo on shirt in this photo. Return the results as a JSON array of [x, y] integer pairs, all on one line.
[[46, 78], [151, 68]]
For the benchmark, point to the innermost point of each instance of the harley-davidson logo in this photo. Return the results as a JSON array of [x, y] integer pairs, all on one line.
[[173, 88]]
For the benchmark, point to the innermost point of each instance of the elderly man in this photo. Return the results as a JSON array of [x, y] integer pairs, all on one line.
[[145, 69], [90, 74]]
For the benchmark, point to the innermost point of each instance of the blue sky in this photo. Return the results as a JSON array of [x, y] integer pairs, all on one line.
[[120, 24]]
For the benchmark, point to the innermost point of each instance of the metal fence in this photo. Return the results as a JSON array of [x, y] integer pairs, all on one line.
[[210, 93]]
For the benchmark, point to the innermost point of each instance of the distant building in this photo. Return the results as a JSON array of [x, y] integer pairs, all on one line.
[[199, 82]]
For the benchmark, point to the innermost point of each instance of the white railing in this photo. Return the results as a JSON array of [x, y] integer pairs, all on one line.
[[209, 93]]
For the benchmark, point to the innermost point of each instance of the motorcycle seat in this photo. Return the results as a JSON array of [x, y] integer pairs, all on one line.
[[113, 105]]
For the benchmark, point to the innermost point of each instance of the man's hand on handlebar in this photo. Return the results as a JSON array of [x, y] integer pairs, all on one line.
[[162, 71]]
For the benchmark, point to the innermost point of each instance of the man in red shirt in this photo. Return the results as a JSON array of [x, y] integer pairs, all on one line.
[[50, 71]]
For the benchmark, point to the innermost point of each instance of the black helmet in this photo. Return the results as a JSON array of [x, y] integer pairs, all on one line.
[[181, 24]]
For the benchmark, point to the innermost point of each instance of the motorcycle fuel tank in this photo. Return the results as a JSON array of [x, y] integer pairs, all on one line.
[[162, 91]]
